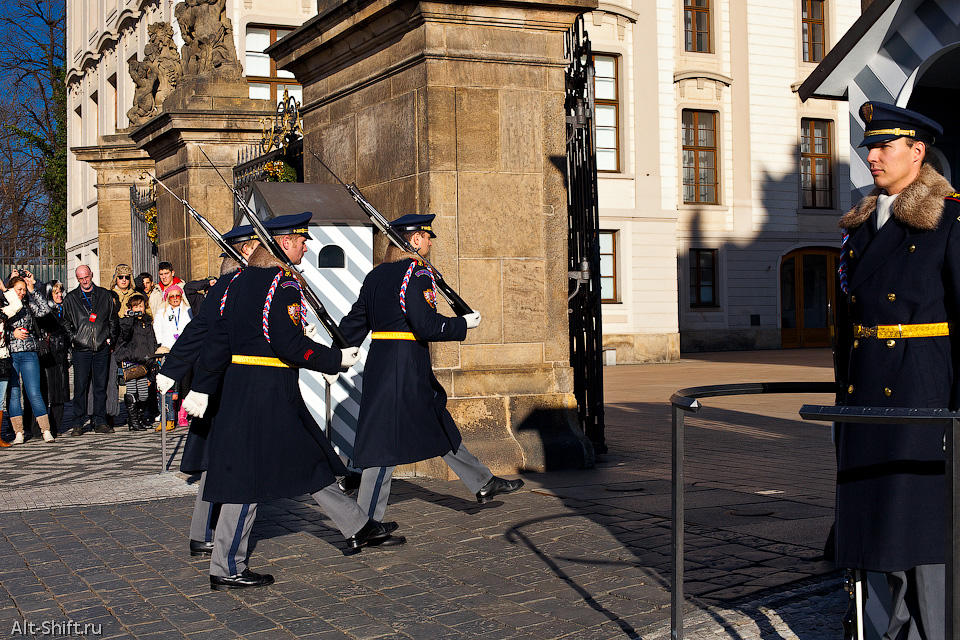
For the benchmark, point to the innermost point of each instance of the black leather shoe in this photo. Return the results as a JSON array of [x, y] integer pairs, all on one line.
[[371, 532], [200, 548], [497, 486], [246, 580], [389, 541], [76, 431]]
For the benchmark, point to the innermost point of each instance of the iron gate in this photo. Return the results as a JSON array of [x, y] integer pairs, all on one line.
[[143, 230], [583, 217]]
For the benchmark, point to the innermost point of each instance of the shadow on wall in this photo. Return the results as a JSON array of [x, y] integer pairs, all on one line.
[[730, 291]]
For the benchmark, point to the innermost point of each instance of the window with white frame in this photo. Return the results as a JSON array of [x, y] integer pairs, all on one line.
[[266, 81], [609, 285], [607, 106]]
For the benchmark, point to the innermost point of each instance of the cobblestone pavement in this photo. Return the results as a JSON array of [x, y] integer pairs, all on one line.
[[91, 535]]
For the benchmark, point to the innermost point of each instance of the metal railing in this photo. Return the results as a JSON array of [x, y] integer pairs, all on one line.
[[927, 417], [686, 401]]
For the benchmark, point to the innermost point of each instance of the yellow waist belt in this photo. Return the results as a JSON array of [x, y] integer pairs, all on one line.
[[887, 331], [392, 335], [262, 361]]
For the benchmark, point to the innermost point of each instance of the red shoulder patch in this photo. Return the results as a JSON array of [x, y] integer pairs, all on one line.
[[309, 352]]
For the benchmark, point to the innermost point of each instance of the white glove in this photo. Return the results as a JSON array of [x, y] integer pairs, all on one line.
[[349, 357], [310, 330], [196, 403], [473, 319], [164, 383], [331, 378]]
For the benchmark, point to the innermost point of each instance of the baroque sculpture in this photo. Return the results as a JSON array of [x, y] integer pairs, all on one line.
[[208, 37], [156, 76]]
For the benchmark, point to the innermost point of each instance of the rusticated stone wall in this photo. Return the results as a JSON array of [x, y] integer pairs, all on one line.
[[456, 109]]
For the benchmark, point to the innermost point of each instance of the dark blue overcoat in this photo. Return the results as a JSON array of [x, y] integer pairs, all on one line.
[[180, 361], [264, 444], [890, 485], [403, 408]]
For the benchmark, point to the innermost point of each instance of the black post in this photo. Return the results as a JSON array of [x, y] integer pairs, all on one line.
[[676, 591], [951, 588]]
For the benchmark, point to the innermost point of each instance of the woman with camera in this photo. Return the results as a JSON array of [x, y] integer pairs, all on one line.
[[135, 349], [22, 337]]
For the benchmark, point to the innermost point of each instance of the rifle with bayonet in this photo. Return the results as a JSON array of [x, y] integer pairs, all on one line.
[[270, 244], [204, 224], [459, 307]]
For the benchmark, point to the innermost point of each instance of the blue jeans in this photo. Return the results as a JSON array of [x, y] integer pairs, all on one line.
[[26, 364]]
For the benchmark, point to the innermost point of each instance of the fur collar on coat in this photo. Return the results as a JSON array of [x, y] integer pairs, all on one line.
[[920, 205]]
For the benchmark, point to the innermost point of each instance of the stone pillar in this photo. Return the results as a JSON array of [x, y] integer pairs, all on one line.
[[118, 163], [213, 113], [456, 109]]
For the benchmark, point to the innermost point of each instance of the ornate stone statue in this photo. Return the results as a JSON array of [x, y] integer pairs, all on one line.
[[208, 37], [145, 78], [166, 58]]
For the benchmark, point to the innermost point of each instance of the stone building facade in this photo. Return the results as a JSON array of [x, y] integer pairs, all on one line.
[[738, 257], [102, 37]]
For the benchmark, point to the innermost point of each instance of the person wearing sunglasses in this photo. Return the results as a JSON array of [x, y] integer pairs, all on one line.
[[172, 317], [122, 288]]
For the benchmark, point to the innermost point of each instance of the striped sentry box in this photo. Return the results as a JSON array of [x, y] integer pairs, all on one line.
[[337, 287]]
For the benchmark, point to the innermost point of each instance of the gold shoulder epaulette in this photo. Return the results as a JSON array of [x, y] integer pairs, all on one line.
[[953, 196]]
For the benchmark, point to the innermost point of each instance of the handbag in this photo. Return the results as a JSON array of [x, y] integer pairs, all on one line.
[[6, 367], [133, 371]]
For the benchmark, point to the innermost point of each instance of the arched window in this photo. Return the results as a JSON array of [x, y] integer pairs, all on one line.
[[331, 257]]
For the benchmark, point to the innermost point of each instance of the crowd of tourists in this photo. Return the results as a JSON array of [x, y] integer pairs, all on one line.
[[113, 339]]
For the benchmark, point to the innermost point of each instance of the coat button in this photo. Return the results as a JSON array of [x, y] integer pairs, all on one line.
[[850, 389], [850, 253], [853, 298], [891, 344], [891, 297], [887, 391], [912, 248], [856, 343]]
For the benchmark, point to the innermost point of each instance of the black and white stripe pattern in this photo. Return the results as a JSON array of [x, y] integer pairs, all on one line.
[[921, 29], [338, 289]]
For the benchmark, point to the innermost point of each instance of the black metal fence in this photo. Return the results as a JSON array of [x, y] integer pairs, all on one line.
[[143, 229], [583, 242], [252, 167], [46, 267], [687, 401]]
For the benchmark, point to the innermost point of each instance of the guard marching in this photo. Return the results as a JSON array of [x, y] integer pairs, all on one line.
[[403, 414], [179, 363], [900, 269], [264, 444]]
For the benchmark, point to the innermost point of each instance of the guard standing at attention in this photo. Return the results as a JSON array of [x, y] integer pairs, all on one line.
[[179, 362], [403, 407], [900, 269], [264, 444]]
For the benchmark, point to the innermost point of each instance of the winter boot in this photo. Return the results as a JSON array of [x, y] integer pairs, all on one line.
[[17, 423], [134, 419], [44, 423]]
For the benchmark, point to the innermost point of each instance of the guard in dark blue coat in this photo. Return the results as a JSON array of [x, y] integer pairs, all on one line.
[[900, 268], [403, 407], [179, 362], [264, 444]]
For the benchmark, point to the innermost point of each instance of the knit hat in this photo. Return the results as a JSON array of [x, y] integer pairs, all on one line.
[[172, 289]]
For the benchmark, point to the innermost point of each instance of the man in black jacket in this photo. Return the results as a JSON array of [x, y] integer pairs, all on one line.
[[89, 312]]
